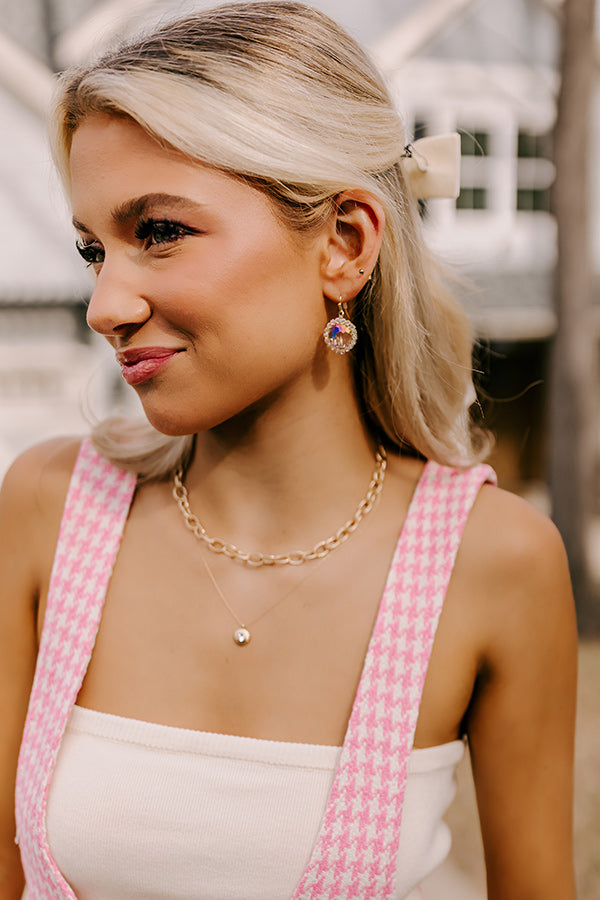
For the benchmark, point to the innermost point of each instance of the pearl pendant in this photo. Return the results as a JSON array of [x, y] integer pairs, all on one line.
[[241, 637]]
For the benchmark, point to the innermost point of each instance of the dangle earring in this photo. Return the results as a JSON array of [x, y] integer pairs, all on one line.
[[340, 333]]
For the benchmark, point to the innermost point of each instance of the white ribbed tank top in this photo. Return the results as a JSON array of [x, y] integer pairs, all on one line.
[[140, 811]]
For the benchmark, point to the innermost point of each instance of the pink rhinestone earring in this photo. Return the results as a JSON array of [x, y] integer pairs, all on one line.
[[340, 333]]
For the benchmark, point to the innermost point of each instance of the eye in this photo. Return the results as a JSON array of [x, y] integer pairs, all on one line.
[[92, 253], [160, 231]]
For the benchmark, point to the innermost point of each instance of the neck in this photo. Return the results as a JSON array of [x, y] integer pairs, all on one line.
[[283, 476]]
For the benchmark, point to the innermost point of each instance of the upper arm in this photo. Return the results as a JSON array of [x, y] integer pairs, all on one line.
[[31, 501], [522, 716]]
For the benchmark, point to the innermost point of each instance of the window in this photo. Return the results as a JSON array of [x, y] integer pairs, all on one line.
[[474, 143], [534, 146], [420, 129], [532, 200], [475, 148], [535, 172], [472, 198]]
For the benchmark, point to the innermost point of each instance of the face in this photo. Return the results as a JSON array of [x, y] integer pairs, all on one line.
[[208, 299]]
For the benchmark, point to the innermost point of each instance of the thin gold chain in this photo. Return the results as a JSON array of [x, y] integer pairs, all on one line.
[[297, 557], [269, 609]]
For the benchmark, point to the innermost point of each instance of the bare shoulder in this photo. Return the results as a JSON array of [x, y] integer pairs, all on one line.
[[41, 473], [513, 559], [506, 529], [31, 501]]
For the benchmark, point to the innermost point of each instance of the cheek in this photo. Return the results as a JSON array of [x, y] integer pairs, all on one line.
[[247, 297]]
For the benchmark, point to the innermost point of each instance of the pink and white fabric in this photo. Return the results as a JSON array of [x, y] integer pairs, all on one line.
[[355, 852], [94, 516]]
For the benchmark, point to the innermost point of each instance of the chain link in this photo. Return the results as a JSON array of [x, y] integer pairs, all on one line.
[[296, 557]]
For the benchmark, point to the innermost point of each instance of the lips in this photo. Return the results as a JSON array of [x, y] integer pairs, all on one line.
[[139, 365]]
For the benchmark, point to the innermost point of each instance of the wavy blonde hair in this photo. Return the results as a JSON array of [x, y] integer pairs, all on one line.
[[280, 95]]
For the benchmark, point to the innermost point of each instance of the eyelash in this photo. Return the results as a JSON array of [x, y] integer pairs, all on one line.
[[90, 252], [153, 232]]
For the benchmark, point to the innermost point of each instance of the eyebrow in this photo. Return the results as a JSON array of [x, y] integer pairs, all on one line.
[[132, 209]]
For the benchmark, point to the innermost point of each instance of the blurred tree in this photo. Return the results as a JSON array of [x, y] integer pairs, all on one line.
[[573, 408]]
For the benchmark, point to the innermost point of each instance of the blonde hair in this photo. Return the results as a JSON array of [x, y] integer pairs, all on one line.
[[280, 95]]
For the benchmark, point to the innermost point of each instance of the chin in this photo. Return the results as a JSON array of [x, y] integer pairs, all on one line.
[[178, 419], [172, 423], [168, 423]]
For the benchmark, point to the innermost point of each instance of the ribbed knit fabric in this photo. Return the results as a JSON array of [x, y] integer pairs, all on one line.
[[355, 853], [139, 811]]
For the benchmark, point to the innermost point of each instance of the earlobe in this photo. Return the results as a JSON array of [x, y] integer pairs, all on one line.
[[354, 242]]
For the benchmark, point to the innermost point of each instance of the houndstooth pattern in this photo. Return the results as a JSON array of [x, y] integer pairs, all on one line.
[[96, 508], [355, 853]]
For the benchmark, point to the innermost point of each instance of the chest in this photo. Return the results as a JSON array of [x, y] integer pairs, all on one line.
[[165, 652]]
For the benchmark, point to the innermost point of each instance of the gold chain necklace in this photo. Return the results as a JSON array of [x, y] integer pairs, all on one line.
[[296, 557]]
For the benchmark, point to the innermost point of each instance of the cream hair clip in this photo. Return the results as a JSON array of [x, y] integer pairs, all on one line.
[[431, 166]]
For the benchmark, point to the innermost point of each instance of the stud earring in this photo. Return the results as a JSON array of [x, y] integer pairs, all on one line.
[[361, 271], [340, 333]]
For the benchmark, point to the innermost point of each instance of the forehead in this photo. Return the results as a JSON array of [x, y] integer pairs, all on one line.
[[112, 159], [107, 144]]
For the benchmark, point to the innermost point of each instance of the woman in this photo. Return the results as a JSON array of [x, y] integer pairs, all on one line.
[[272, 719]]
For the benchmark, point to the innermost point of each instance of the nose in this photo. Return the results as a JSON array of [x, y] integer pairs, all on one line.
[[116, 308]]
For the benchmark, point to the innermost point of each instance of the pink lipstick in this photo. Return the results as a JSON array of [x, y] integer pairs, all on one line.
[[139, 365]]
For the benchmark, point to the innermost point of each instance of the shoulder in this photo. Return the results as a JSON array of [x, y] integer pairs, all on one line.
[[505, 533], [31, 501], [40, 476], [514, 563], [32, 498]]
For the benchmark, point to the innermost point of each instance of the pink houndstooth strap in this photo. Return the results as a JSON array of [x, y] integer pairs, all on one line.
[[92, 524], [355, 854]]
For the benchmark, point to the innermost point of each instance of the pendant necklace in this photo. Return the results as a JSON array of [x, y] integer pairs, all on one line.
[[241, 635]]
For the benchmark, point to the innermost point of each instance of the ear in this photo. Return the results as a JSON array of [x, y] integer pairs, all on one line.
[[353, 242]]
